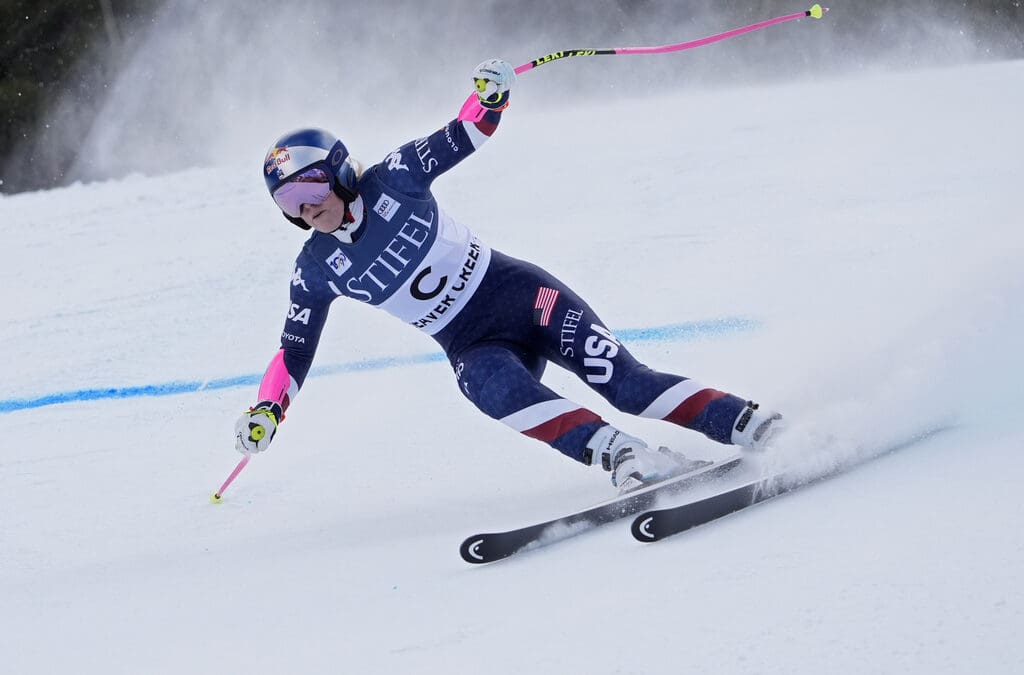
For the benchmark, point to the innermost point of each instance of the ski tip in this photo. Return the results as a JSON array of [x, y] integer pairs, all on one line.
[[470, 550], [641, 528], [817, 11]]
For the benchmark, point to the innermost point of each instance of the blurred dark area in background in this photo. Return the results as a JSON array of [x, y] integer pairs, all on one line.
[[53, 49], [60, 53]]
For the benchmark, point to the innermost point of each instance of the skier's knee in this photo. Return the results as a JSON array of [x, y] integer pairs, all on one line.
[[490, 379], [633, 388]]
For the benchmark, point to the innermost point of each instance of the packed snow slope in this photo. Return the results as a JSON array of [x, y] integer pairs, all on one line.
[[847, 251]]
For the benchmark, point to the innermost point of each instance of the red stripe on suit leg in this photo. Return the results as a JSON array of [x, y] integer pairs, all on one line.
[[689, 409], [564, 423]]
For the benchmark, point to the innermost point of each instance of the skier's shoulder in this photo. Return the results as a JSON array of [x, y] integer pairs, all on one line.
[[393, 184], [305, 256], [372, 180], [307, 275]]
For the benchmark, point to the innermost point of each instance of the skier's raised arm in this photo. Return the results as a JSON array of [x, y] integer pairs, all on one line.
[[412, 167]]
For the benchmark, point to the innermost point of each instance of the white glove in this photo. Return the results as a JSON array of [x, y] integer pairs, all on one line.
[[256, 428], [493, 79]]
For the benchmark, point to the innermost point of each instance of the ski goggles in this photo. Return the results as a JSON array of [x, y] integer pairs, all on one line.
[[311, 186]]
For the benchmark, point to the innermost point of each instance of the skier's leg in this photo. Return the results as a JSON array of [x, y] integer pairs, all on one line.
[[503, 381], [498, 357], [579, 341], [546, 317]]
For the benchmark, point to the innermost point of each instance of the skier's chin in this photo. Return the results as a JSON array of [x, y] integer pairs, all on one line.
[[323, 223]]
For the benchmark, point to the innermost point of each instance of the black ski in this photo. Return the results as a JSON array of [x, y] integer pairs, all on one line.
[[661, 523], [488, 547]]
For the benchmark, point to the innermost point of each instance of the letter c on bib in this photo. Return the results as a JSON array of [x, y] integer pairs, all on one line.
[[426, 295]]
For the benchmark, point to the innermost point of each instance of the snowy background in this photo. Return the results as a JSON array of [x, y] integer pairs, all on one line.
[[860, 235]]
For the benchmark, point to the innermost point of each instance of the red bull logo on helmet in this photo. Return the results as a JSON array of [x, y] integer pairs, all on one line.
[[275, 158]]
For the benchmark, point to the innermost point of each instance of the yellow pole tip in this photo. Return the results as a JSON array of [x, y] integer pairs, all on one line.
[[216, 498], [817, 11]]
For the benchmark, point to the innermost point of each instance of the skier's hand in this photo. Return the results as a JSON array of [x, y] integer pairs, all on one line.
[[493, 79], [256, 428]]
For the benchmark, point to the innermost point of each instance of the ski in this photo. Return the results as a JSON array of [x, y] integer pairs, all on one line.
[[660, 523], [489, 547]]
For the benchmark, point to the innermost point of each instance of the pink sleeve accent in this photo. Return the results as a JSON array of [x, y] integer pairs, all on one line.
[[472, 111], [277, 384]]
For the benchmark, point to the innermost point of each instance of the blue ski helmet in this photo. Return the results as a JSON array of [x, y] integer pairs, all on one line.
[[300, 150]]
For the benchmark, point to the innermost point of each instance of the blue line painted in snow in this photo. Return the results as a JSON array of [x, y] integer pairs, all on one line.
[[679, 332]]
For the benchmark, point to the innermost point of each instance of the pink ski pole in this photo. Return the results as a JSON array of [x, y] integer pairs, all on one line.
[[474, 112], [218, 496]]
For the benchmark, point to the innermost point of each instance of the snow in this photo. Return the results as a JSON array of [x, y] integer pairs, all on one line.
[[861, 236]]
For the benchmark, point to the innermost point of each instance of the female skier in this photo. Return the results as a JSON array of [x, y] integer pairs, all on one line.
[[380, 237]]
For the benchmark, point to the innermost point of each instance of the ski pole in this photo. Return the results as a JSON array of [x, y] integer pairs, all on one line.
[[218, 496], [474, 112]]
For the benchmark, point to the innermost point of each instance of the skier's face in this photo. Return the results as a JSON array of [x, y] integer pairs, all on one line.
[[326, 216]]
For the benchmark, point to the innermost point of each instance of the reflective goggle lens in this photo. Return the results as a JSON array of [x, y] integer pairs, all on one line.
[[312, 186]]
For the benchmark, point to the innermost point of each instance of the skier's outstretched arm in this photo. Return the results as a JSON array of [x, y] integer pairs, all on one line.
[[412, 167], [307, 313]]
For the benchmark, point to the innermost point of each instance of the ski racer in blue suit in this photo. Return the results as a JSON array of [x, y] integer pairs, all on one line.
[[379, 237]]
